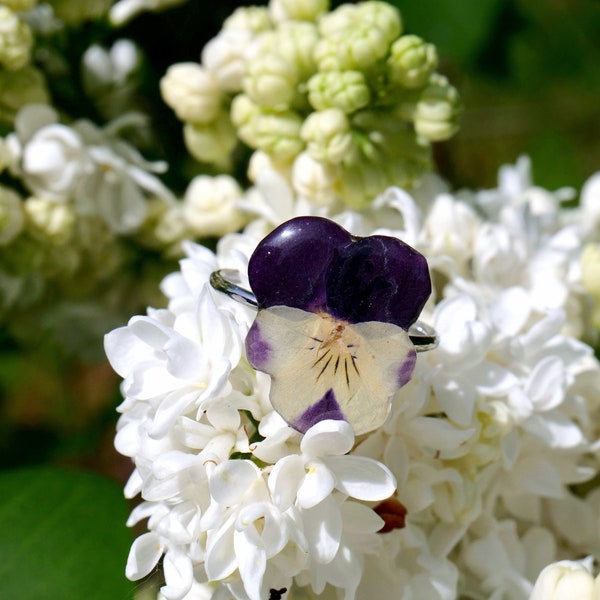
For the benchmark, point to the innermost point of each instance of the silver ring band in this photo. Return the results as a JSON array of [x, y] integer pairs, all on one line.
[[226, 281]]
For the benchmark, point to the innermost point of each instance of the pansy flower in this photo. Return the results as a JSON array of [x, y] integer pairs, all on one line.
[[333, 315]]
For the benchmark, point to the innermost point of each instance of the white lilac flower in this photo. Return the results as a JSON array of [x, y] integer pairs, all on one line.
[[566, 579], [90, 167], [487, 443], [125, 10]]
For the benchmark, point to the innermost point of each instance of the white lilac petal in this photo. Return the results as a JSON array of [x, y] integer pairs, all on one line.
[[252, 560], [510, 310], [144, 555], [456, 398], [546, 383], [221, 560], [361, 477], [538, 476], [328, 438], [223, 417], [179, 575], [123, 350], [231, 480], [318, 483], [438, 434], [140, 512], [323, 526], [285, 479], [555, 429], [564, 580]]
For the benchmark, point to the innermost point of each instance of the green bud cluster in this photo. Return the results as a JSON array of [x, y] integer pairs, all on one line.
[[344, 88]]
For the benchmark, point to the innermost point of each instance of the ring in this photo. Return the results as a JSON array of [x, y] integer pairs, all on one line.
[[227, 281]]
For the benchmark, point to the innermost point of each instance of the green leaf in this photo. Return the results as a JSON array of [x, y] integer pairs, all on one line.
[[63, 536], [458, 29]]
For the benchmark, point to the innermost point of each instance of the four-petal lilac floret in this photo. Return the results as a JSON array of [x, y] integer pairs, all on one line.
[[331, 330]]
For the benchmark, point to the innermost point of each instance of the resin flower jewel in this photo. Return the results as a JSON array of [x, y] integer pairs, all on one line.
[[333, 318]]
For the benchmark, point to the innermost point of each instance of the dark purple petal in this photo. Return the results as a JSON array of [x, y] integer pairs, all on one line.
[[313, 264], [378, 278], [326, 408], [258, 350], [288, 266]]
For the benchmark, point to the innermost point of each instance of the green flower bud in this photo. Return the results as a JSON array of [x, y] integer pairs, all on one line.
[[328, 136], [12, 217], [212, 143], [48, 219], [16, 40], [192, 92], [346, 90], [295, 41], [74, 13], [356, 36], [361, 182], [297, 10], [271, 81], [20, 5], [276, 133], [437, 111], [252, 18], [411, 61], [18, 88]]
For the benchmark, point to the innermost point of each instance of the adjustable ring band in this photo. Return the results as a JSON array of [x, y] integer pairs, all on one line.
[[226, 281]]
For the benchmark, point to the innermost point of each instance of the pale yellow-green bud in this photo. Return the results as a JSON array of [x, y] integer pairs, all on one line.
[[328, 136], [20, 5], [590, 270], [192, 92], [209, 206], [171, 228], [12, 216], [346, 90], [361, 182], [315, 180], [21, 87], [16, 40], [75, 13], [411, 61], [437, 111], [356, 36], [297, 10], [271, 81], [259, 161], [276, 133], [252, 18], [50, 219], [295, 41], [212, 143]]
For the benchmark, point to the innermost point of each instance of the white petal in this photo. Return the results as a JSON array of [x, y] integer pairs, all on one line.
[[285, 479], [438, 434], [328, 437], [144, 555], [362, 478], [220, 554], [252, 560], [317, 485], [231, 479], [179, 575], [323, 529]]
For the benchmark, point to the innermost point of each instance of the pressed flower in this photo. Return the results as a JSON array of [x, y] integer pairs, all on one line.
[[333, 317]]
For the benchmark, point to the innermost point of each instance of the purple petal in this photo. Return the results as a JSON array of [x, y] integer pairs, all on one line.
[[378, 278], [404, 373], [258, 350], [288, 267], [326, 408]]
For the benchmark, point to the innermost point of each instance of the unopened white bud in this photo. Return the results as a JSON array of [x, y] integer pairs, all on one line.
[[271, 81], [361, 182], [328, 136], [225, 57], [209, 206], [314, 180], [252, 18], [297, 10], [411, 61], [192, 92], [437, 111], [50, 219], [295, 41], [12, 216], [564, 580], [16, 40]]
